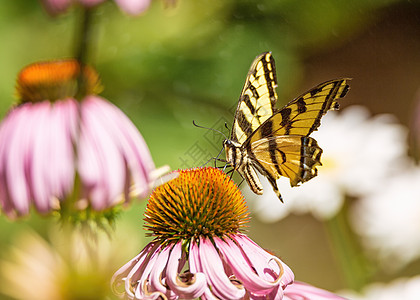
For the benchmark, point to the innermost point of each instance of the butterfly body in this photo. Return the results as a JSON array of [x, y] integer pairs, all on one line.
[[241, 161], [276, 142]]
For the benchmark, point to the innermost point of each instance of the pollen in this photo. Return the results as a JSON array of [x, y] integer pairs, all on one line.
[[202, 202], [56, 80]]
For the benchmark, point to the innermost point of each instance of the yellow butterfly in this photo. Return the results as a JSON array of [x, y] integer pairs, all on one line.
[[276, 142]]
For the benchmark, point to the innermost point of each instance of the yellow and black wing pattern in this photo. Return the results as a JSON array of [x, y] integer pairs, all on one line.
[[276, 142], [258, 98], [281, 146]]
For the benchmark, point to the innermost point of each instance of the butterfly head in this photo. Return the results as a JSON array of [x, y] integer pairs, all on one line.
[[233, 152]]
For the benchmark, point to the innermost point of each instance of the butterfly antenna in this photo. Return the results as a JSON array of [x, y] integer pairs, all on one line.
[[215, 159], [226, 125], [196, 125]]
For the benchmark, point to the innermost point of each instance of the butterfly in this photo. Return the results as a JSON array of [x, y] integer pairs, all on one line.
[[273, 141]]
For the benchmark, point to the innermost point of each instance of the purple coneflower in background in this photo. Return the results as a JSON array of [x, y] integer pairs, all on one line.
[[64, 147], [199, 250], [131, 7]]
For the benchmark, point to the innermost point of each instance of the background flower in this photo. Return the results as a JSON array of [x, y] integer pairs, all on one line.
[[61, 153], [132, 7], [389, 220], [401, 288], [64, 266]]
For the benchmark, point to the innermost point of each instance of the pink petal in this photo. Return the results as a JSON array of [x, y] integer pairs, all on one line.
[[195, 288], [243, 266], [55, 7], [14, 156], [143, 289], [210, 263], [102, 167], [38, 158], [133, 7], [6, 132], [260, 257], [138, 275], [135, 263], [302, 291], [157, 276], [130, 143], [65, 120], [194, 262]]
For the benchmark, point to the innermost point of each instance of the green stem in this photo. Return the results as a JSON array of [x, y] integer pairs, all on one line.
[[355, 266], [83, 42], [84, 35]]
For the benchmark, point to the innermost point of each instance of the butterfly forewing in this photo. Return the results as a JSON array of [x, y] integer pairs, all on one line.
[[303, 115], [257, 100]]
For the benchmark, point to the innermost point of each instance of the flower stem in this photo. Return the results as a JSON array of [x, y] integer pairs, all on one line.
[[84, 35], [355, 266], [83, 42]]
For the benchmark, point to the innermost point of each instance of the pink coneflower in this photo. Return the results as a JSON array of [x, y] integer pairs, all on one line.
[[58, 152], [303, 291], [198, 249], [131, 7]]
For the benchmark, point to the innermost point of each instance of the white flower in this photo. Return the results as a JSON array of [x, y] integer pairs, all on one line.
[[389, 220], [359, 152], [402, 288]]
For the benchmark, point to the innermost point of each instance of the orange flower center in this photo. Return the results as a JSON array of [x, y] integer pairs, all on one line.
[[56, 80], [199, 202]]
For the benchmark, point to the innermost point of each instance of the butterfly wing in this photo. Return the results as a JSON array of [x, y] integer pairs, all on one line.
[[281, 146], [302, 115], [257, 100], [295, 157]]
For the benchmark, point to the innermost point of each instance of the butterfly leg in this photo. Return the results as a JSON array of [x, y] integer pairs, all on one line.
[[271, 180], [273, 183], [251, 177]]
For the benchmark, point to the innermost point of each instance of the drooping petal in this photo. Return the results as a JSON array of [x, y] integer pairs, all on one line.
[[243, 267], [136, 286], [143, 289], [100, 163], [301, 291], [51, 165], [130, 143], [120, 277], [14, 156], [194, 285], [65, 123], [38, 159], [156, 279], [210, 263], [261, 260], [195, 266]]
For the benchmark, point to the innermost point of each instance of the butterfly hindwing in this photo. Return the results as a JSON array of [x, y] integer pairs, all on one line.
[[295, 157], [258, 97]]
